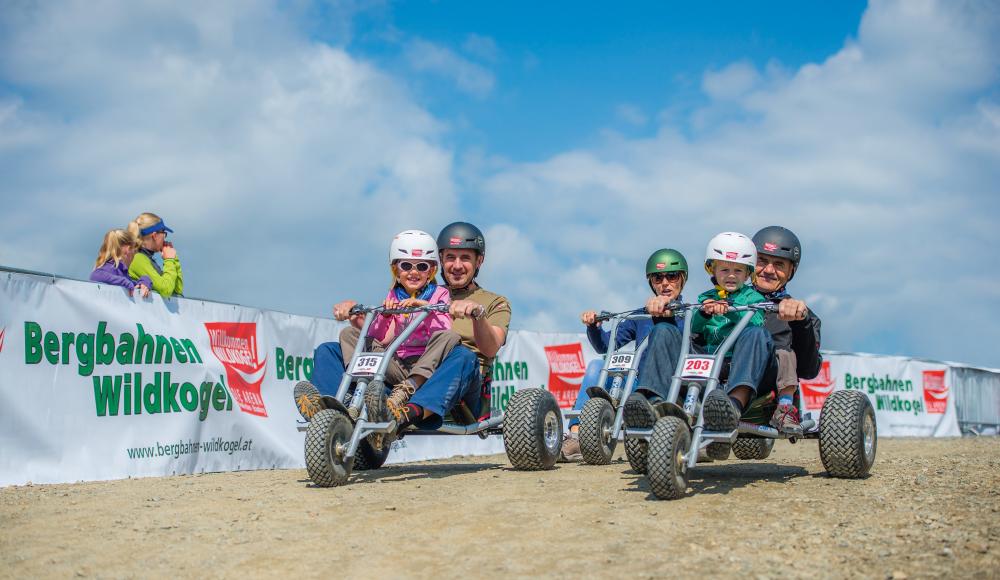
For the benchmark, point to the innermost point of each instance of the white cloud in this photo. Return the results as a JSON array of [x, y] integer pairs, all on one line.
[[481, 47], [631, 114], [281, 163], [884, 158], [468, 76]]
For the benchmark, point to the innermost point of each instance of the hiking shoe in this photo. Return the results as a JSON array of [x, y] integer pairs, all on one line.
[[307, 399], [786, 420], [375, 403], [570, 449], [639, 413], [399, 397], [719, 412]]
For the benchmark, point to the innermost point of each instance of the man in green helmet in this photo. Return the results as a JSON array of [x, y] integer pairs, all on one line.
[[666, 273]]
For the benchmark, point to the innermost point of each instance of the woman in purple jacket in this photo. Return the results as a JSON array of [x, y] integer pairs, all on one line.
[[113, 260]]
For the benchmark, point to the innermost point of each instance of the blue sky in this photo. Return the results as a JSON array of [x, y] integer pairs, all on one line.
[[286, 142]]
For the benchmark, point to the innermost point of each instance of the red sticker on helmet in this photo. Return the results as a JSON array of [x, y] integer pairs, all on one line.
[[660, 265], [455, 241], [732, 255], [770, 247], [417, 253]]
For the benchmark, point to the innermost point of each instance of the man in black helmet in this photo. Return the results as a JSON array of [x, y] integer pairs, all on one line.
[[481, 319], [794, 328]]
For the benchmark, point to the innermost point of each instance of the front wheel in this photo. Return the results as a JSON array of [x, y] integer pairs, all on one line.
[[666, 467], [596, 424], [327, 438], [532, 430], [848, 435]]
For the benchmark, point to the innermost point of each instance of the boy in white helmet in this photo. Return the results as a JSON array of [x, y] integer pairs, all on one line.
[[730, 259]]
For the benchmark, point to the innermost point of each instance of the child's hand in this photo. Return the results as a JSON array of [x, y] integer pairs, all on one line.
[[142, 290], [168, 252], [714, 307], [390, 303], [413, 303]]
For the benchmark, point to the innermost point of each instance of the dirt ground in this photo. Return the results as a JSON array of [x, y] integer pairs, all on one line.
[[930, 508]]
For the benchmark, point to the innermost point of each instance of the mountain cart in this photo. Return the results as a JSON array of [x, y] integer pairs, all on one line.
[[847, 430], [341, 436]]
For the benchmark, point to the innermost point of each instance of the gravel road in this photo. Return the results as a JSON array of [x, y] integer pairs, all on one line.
[[931, 508]]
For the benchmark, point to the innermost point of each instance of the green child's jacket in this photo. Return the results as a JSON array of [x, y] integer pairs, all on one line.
[[715, 329], [169, 282]]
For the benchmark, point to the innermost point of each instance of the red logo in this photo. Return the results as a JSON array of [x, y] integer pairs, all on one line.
[[566, 369], [660, 265], [935, 392], [417, 253], [732, 255], [816, 390], [768, 246], [455, 241], [235, 345]]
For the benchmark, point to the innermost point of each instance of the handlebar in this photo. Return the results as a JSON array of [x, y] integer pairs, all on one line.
[[761, 306], [362, 309], [604, 315]]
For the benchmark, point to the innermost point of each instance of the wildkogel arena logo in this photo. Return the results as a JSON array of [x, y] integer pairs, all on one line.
[[935, 392], [566, 370], [816, 390], [235, 345]]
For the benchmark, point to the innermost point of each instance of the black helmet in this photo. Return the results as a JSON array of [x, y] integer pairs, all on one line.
[[779, 242], [461, 236]]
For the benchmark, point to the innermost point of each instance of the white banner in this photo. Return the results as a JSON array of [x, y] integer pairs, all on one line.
[[910, 397], [97, 385]]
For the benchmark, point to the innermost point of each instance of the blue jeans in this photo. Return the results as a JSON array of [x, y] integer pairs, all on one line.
[[328, 368], [657, 366], [752, 353], [456, 379], [589, 380]]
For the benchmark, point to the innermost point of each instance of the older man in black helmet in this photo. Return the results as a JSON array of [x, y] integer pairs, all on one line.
[[795, 330]]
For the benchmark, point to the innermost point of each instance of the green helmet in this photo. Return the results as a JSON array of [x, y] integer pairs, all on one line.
[[666, 260]]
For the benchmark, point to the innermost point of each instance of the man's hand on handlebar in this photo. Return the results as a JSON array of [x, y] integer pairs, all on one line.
[[589, 318], [657, 306], [792, 309], [342, 311], [466, 309]]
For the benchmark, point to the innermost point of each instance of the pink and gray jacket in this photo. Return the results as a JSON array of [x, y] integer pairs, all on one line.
[[416, 344]]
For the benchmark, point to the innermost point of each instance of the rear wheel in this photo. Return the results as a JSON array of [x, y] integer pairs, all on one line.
[[532, 430], [848, 435], [596, 424], [667, 469], [752, 447], [327, 438]]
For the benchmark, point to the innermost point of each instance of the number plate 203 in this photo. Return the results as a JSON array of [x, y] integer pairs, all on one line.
[[366, 365], [620, 362], [698, 367]]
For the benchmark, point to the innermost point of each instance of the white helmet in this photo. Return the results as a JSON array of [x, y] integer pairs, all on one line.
[[413, 245], [731, 247]]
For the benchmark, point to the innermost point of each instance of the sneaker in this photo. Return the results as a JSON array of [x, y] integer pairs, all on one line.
[[719, 412], [307, 399], [570, 449], [400, 396], [786, 420]]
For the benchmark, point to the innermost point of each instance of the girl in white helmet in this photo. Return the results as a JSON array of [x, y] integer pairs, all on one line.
[[730, 259]]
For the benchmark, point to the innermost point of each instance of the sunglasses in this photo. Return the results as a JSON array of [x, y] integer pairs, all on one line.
[[420, 266], [668, 276]]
